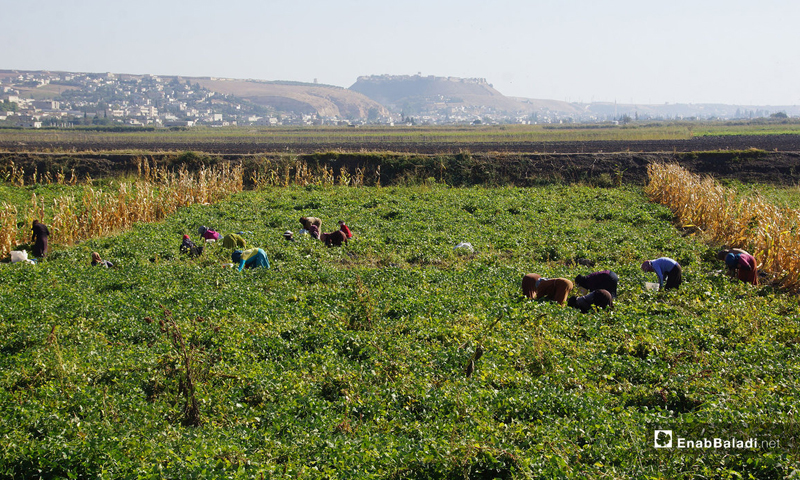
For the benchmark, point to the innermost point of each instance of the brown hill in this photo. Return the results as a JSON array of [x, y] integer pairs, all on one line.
[[538, 105], [418, 93], [396, 89], [323, 100]]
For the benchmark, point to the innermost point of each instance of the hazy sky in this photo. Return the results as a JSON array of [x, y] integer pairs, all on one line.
[[641, 51]]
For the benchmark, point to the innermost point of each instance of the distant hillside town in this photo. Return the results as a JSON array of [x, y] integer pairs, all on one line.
[[40, 99], [63, 99]]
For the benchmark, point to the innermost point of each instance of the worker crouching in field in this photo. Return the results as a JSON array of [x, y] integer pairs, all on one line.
[[603, 280], [188, 247], [233, 240], [536, 286], [306, 222], [667, 270], [743, 265], [97, 261], [250, 258], [208, 234], [345, 229], [334, 239], [596, 299]]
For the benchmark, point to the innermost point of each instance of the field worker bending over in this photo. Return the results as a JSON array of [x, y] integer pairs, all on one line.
[[345, 229], [722, 253], [667, 270], [743, 265], [40, 238], [536, 286], [189, 247], [233, 241], [334, 239], [250, 258], [207, 233], [97, 261], [306, 222], [598, 298], [603, 280]]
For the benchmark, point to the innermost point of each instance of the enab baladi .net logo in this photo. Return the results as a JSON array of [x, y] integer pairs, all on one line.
[[723, 437], [662, 439]]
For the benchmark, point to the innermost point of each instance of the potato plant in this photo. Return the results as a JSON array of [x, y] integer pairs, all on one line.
[[352, 362]]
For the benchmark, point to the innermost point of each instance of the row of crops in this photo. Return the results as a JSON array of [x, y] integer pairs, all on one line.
[[350, 362], [381, 137]]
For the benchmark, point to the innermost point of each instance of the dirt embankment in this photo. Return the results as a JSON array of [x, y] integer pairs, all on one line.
[[265, 146], [609, 165]]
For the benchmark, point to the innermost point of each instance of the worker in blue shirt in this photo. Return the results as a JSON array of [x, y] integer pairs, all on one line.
[[250, 258], [667, 270]]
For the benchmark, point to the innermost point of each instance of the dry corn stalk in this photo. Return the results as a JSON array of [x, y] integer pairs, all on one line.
[[344, 177], [358, 178], [327, 177], [15, 176], [303, 175], [157, 193], [769, 232], [8, 228]]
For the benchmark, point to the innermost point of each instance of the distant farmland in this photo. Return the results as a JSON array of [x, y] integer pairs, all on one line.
[[668, 137]]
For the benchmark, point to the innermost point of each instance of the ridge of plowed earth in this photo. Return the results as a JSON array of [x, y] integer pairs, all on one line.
[[255, 145]]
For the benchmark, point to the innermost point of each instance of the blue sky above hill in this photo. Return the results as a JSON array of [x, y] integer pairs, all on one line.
[[682, 51]]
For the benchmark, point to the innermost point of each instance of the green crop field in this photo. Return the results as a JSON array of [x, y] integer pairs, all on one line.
[[382, 137], [352, 362], [374, 136], [782, 196]]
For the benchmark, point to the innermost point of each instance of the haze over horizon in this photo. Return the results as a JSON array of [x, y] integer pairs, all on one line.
[[729, 52]]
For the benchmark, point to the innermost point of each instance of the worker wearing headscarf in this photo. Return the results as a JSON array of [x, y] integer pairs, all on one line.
[[667, 270], [40, 238], [207, 233], [233, 240], [306, 222], [744, 266], [598, 298], [189, 247], [345, 229], [602, 280], [536, 286], [250, 258], [97, 261]]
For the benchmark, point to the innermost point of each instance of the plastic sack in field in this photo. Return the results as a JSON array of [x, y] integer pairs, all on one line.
[[19, 256], [652, 286], [465, 246]]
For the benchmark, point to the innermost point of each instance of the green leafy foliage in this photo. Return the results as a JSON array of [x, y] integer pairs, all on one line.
[[396, 356]]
